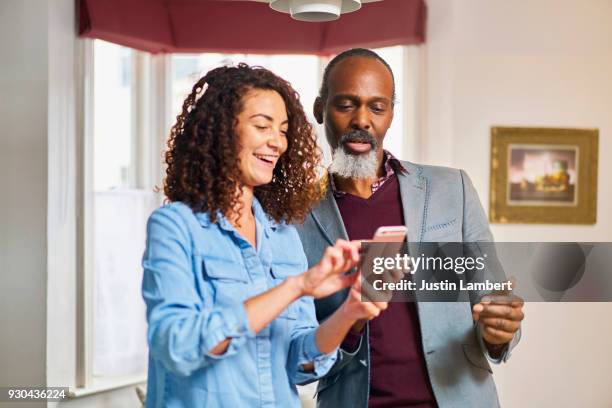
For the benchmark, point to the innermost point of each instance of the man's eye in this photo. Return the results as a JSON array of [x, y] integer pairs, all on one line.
[[378, 109], [344, 107]]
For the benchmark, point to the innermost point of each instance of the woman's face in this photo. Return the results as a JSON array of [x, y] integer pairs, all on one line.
[[262, 130]]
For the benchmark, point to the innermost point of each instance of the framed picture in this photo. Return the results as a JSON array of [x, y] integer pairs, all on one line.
[[543, 175]]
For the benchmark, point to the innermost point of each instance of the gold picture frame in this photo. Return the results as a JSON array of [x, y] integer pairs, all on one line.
[[543, 175]]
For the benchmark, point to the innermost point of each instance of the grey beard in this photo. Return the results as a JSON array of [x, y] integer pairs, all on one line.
[[348, 165]]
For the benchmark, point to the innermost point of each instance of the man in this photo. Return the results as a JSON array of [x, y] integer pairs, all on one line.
[[414, 354]]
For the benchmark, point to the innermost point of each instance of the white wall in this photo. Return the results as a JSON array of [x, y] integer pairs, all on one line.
[[23, 202], [529, 63], [38, 99]]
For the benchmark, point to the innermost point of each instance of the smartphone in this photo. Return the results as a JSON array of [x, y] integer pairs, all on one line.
[[396, 233], [388, 240]]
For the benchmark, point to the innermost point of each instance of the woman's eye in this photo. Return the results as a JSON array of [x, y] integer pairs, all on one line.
[[261, 127], [284, 133]]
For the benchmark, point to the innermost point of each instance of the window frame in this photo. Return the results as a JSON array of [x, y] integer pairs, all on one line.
[[151, 110]]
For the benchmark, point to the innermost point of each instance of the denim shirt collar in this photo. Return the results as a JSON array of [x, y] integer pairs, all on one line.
[[268, 223]]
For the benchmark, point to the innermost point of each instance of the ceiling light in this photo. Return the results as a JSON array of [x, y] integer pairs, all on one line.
[[317, 10]]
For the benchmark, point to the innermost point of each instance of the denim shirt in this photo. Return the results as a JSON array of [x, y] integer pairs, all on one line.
[[197, 276]]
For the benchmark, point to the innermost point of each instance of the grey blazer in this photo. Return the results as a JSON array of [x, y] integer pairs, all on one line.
[[439, 205]]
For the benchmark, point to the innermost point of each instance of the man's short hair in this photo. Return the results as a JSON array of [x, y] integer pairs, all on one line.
[[353, 52]]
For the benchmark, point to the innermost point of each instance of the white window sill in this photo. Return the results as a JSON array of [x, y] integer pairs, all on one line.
[[103, 385]]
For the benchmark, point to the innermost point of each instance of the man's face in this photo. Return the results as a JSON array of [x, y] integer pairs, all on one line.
[[359, 107]]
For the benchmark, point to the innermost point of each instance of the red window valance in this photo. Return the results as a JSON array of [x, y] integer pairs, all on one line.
[[244, 26]]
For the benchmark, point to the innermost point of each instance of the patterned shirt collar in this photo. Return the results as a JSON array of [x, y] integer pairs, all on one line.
[[392, 166]]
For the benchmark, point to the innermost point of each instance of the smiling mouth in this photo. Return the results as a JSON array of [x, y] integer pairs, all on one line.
[[268, 159]]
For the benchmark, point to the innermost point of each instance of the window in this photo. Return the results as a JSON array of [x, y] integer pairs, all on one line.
[[113, 102], [117, 203], [304, 72], [131, 100]]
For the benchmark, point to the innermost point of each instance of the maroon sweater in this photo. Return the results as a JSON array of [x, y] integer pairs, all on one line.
[[397, 366]]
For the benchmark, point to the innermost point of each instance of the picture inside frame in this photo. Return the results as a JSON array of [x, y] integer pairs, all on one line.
[[545, 175]]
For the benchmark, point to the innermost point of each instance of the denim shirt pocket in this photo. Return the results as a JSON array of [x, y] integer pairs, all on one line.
[[279, 273], [227, 278]]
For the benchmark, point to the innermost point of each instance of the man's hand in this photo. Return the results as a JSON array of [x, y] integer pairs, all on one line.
[[500, 315]]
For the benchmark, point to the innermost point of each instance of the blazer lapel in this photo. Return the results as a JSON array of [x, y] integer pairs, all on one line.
[[413, 189], [327, 217]]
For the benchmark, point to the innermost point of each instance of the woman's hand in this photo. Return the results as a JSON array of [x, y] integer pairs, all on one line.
[[328, 276]]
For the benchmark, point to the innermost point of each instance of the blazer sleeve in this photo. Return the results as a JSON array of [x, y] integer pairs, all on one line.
[[477, 234]]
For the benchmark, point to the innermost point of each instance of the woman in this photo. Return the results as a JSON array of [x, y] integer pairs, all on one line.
[[229, 306]]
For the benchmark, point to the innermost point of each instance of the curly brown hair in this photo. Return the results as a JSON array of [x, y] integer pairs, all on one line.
[[202, 157]]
